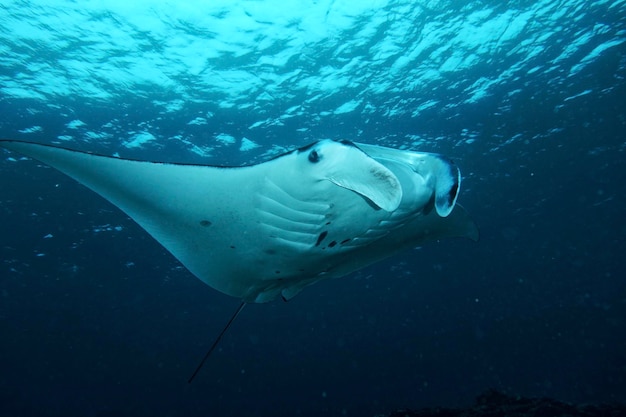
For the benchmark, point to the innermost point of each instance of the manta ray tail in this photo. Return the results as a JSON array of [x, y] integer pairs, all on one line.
[[216, 342]]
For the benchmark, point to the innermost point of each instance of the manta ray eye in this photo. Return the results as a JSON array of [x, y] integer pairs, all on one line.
[[314, 156]]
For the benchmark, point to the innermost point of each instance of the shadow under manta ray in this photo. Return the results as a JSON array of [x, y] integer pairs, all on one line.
[[262, 231]]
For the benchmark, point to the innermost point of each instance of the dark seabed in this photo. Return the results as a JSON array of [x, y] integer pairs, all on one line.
[[528, 97]]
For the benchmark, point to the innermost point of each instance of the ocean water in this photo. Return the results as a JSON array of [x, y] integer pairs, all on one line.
[[528, 97]]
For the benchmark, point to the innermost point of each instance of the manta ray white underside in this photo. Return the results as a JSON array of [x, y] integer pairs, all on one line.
[[268, 230]]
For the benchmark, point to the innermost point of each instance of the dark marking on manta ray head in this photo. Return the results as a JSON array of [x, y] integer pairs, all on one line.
[[277, 272], [232, 247], [343, 242], [314, 156], [205, 223], [321, 237], [270, 251], [332, 244]]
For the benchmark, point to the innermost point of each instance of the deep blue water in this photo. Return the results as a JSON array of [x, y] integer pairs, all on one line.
[[527, 97]]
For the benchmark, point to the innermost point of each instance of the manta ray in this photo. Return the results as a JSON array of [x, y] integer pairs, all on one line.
[[267, 231]]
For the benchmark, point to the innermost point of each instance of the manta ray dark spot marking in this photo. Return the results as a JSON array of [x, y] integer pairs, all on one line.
[[205, 223], [343, 242], [332, 244], [232, 247], [277, 272], [314, 156], [321, 237]]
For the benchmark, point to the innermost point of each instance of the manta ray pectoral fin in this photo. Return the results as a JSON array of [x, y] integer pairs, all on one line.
[[179, 205], [369, 178]]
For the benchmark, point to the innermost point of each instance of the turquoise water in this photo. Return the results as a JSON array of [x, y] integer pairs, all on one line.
[[527, 97]]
